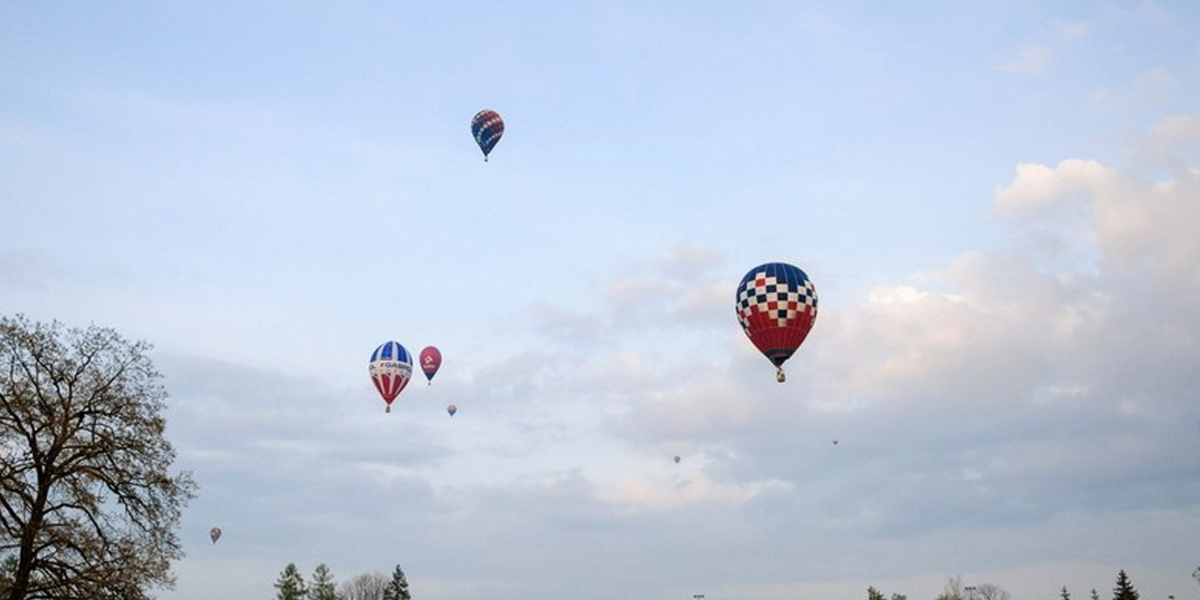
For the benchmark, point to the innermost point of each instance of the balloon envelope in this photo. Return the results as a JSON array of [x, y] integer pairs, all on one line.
[[215, 534], [431, 361], [776, 306], [487, 127], [677, 459], [390, 368], [452, 409]]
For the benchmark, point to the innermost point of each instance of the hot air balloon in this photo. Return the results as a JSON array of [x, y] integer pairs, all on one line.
[[390, 368], [777, 306], [487, 127], [677, 459], [452, 409], [214, 534], [431, 361]]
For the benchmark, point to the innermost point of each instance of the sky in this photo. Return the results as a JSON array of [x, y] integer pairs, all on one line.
[[996, 201]]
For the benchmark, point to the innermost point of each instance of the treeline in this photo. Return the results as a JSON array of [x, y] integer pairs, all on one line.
[[955, 590], [321, 585]]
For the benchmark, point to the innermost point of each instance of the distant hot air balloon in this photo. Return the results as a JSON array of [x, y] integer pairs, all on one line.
[[214, 534], [677, 459], [431, 361], [452, 409], [390, 368], [835, 442], [487, 127], [777, 306]]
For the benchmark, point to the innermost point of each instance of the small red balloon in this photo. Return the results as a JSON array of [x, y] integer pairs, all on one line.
[[431, 361]]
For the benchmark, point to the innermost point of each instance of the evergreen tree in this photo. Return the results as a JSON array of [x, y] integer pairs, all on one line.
[[1064, 594], [322, 586], [1124, 589], [291, 584], [1095, 594], [397, 588]]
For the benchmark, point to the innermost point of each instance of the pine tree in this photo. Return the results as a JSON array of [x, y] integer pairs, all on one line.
[[1124, 589], [397, 588], [290, 584], [1095, 594], [322, 586], [1064, 594]]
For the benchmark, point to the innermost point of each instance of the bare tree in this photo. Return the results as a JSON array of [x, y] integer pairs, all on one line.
[[991, 591], [953, 590], [369, 586], [88, 507]]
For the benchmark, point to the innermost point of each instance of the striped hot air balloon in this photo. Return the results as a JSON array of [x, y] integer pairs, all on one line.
[[390, 368]]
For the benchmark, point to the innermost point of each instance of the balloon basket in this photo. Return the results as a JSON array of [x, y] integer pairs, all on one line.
[[779, 376]]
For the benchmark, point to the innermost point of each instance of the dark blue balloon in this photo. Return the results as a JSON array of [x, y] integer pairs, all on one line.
[[487, 127]]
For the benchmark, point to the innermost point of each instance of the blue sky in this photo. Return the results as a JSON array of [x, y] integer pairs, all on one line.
[[995, 200]]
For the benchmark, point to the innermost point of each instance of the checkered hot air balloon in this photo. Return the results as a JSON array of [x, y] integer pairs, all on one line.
[[776, 306], [487, 127], [390, 368]]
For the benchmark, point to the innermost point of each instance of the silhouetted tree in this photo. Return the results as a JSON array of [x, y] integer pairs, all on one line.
[[88, 506], [1124, 589], [1064, 594]]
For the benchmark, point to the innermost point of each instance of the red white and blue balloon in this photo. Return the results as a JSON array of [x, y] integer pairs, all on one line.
[[487, 127], [390, 368], [776, 306]]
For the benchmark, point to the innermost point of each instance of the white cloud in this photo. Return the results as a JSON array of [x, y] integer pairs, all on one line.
[[1032, 59], [1153, 88], [1040, 57], [1135, 223], [670, 494]]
